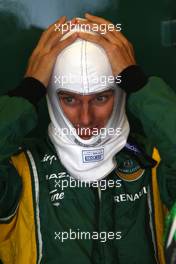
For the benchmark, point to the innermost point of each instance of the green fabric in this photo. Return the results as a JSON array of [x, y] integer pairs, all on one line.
[[169, 221], [11, 191], [17, 119], [155, 107], [79, 209]]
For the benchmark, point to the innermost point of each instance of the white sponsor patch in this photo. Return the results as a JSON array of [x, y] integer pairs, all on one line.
[[127, 197], [92, 155]]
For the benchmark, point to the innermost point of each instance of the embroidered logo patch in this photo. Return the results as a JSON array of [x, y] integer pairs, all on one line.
[[92, 155], [129, 170]]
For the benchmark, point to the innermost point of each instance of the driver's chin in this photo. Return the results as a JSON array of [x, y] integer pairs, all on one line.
[[85, 134], [85, 137]]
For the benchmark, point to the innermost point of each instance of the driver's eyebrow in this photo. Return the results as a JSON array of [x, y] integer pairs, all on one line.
[[105, 92], [66, 93], [75, 94]]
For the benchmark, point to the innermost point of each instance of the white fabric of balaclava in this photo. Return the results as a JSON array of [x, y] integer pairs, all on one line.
[[83, 67]]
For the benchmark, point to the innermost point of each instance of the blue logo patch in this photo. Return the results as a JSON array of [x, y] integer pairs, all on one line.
[[132, 148], [92, 155]]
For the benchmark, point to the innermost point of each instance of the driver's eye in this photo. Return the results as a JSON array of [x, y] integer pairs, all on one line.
[[101, 98], [69, 100]]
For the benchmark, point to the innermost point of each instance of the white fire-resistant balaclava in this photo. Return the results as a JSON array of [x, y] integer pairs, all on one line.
[[83, 67]]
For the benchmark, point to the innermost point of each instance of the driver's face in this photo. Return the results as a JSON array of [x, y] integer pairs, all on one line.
[[87, 111]]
